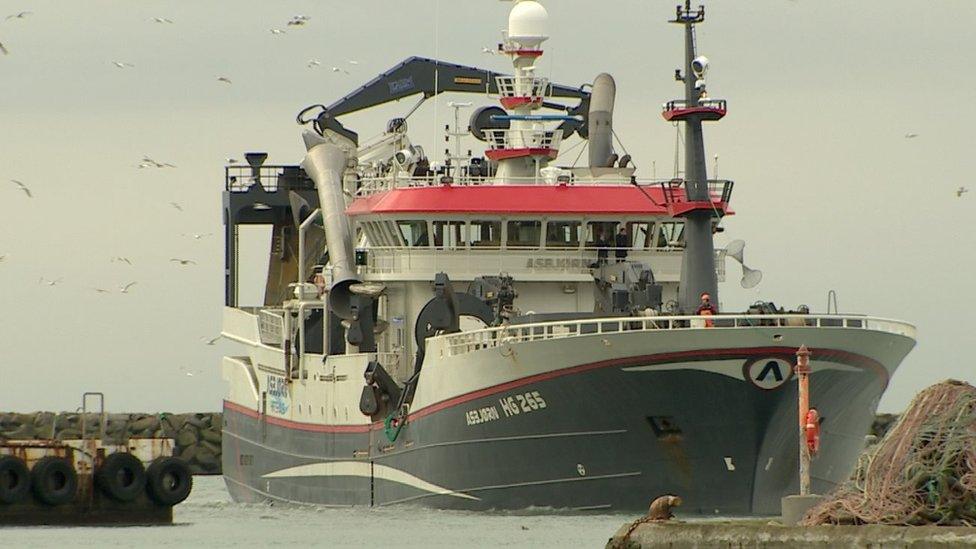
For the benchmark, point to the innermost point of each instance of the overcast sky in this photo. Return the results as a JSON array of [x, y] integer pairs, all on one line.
[[829, 192]]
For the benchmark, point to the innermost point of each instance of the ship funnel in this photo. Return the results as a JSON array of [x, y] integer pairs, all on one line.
[[600, 121], [325, 163], [750, 277]]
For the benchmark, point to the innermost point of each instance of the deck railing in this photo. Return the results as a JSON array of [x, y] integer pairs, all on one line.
[[528, 86], [489, 338]]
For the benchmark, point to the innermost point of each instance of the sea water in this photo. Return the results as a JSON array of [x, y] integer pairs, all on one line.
[[209, 518]]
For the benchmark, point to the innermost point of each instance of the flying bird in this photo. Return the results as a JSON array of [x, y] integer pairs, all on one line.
[[210, 341], [353, 62], [313, 63], [197, 236], [232, 161], [150, 163], [183, 261], [100, 290], [277, 31], [224, 79], [125, 288], [489, 51], [50, 282], [2, 257], [3, 49], [176, 205], [120, 259], [961, 191], [337, 69], [21, 15], [22, 187], [122, 64], [162, 20], [911, 135]]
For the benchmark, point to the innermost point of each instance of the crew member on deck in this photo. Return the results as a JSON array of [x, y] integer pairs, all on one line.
[[602, 248], [621, 243], [706, 308]]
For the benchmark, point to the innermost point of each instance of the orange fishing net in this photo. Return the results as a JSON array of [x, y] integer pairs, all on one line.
[[922, 472]]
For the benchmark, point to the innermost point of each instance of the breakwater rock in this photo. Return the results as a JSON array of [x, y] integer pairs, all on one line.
[[197, 436]]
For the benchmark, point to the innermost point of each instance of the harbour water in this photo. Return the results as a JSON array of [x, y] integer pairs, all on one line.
[[209, 518]]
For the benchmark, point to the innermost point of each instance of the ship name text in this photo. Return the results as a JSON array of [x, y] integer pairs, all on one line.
[[511, 405]]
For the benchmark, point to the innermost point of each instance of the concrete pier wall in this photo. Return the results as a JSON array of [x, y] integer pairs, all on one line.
[[197, 436]]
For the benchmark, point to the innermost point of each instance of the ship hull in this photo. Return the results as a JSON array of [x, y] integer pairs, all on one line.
[[714, 424]]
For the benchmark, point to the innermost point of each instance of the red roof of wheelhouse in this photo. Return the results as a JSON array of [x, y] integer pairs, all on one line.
[[517, 199]]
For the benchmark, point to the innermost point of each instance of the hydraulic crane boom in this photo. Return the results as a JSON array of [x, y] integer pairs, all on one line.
[[420, 75]]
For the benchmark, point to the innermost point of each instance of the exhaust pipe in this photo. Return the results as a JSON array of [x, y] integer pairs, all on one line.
[[325, 163], [600, 121]]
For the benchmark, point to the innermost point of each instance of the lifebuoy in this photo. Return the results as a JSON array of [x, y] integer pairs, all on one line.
[[813, 431], [54, 480], [14, 480], [168, 480], [121, 476]]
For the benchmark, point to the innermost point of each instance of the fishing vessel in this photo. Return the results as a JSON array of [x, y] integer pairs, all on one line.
[[503, 330]]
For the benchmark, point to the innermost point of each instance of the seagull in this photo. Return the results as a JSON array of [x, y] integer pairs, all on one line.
[[337, 69], [353, 62], [149, 162], [176, 205], [21, 15], [961, 191], [101, 290], [125, 289], [49, 282], [277, 31], [3, 49], [197, 236], [910, 135], [22, 187], [313, 63], [210, 341], [298, 21], [187, 372], [162, 20], [122, 64], [120, 259], [183, 261], [224, 79], [232, 161], [2, 257]]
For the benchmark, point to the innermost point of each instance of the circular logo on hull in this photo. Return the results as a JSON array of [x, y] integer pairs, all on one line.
[[767, 373]]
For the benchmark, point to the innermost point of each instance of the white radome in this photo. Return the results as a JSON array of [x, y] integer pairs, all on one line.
[[527, 23]]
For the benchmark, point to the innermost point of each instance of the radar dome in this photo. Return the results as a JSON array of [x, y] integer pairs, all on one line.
[[527, 23]]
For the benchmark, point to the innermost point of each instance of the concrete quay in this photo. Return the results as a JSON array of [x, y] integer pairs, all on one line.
[[769, 534]]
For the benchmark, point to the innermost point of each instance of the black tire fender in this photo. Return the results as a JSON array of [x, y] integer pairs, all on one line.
[[14, 480], [168, 480], [121, 476], [54, 480]]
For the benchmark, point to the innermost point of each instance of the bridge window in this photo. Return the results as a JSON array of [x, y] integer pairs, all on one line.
[[563, 234], [524, 234], [449, 235], [414, 233], [641, 234], [671, 234], [594, 230], [485, 234]]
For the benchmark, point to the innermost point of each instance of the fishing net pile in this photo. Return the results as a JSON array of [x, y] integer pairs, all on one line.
[[922, 472]]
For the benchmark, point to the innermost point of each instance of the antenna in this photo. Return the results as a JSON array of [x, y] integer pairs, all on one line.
[[750, 277]]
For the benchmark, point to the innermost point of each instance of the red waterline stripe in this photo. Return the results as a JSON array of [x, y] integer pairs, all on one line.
[[787, 353]]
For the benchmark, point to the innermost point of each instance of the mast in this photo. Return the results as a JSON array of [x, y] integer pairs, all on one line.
[[698, 260]]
